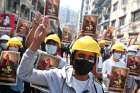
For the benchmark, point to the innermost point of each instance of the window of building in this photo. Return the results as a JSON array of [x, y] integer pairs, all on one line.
[[93, 3], [99, 20], [87, 8], [106, 17], [115, 6], [93, 11], [124, 2], [87, 1], [122, 20], [136, 16], [113, 23]]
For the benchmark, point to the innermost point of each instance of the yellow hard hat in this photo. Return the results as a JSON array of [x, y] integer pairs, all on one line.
[[53, 37], [118, 47], [14, 42], [137, 46], [86, 43]]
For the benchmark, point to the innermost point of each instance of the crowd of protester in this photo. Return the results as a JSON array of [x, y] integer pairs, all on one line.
[[89, 69]]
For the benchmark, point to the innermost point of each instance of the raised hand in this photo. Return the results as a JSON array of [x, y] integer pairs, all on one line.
[[40, 34], [36, 21]]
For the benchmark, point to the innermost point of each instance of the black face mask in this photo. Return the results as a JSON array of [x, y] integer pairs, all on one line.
[[102, 50], [82, 66]]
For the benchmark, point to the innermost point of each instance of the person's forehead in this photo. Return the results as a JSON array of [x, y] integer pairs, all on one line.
[[51, 41], [84, 52], [14, 45], [118, 51]]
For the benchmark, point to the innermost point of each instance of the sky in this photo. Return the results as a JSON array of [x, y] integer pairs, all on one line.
[[71, 4]]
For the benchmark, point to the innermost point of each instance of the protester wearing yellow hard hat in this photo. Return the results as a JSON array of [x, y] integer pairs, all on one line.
[[86, 44], [115, 60], [53, 37], [14, 42]]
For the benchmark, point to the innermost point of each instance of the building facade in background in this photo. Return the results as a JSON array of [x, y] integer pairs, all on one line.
[[22, 9], [123, 15], [100, 9]]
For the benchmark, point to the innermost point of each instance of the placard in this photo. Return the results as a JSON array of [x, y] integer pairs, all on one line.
[[133, 63], [7, 23], [89, 24], [118, 79], [45, 62], [9, 61], [52, 8], [22, 28]]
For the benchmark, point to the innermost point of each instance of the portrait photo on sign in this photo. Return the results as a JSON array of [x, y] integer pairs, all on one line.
[[22, 27], [53, 26], [7, 23], [9, 61], [52, 8], [89, 24], [118, 79], [45, 62], [133, 63]]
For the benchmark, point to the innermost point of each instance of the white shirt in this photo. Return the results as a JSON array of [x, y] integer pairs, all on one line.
[[107, 66], [79, 86]]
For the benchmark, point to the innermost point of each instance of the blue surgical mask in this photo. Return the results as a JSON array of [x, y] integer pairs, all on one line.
[[3, 45], [117, 55], [51, 49], [132, 53], [13, 49]]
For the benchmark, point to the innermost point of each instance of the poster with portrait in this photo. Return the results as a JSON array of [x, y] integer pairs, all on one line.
[[89, 24], [22, 27], [133, 63], [66, 35], [108, 34], [53, 26], [52, 8], [118, 79], [9, 61], [45, 62], [7, 23]]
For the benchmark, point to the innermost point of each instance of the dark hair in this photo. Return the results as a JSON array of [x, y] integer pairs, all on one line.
[[50, 33]]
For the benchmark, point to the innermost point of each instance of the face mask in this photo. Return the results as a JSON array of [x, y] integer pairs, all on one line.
[[13, 49], [102, 50], [82, 66], [132, 53], [51, 49], [117, 55], [3, 45]]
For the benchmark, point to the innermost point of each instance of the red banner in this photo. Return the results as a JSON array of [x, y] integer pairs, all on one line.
[[7, 23]]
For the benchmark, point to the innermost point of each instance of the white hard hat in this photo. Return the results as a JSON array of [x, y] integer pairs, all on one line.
[[132, 48], [4, 37]]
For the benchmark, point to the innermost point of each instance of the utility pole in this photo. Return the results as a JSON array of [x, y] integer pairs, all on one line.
[[44, 6], [4, 11], [81, 12]]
